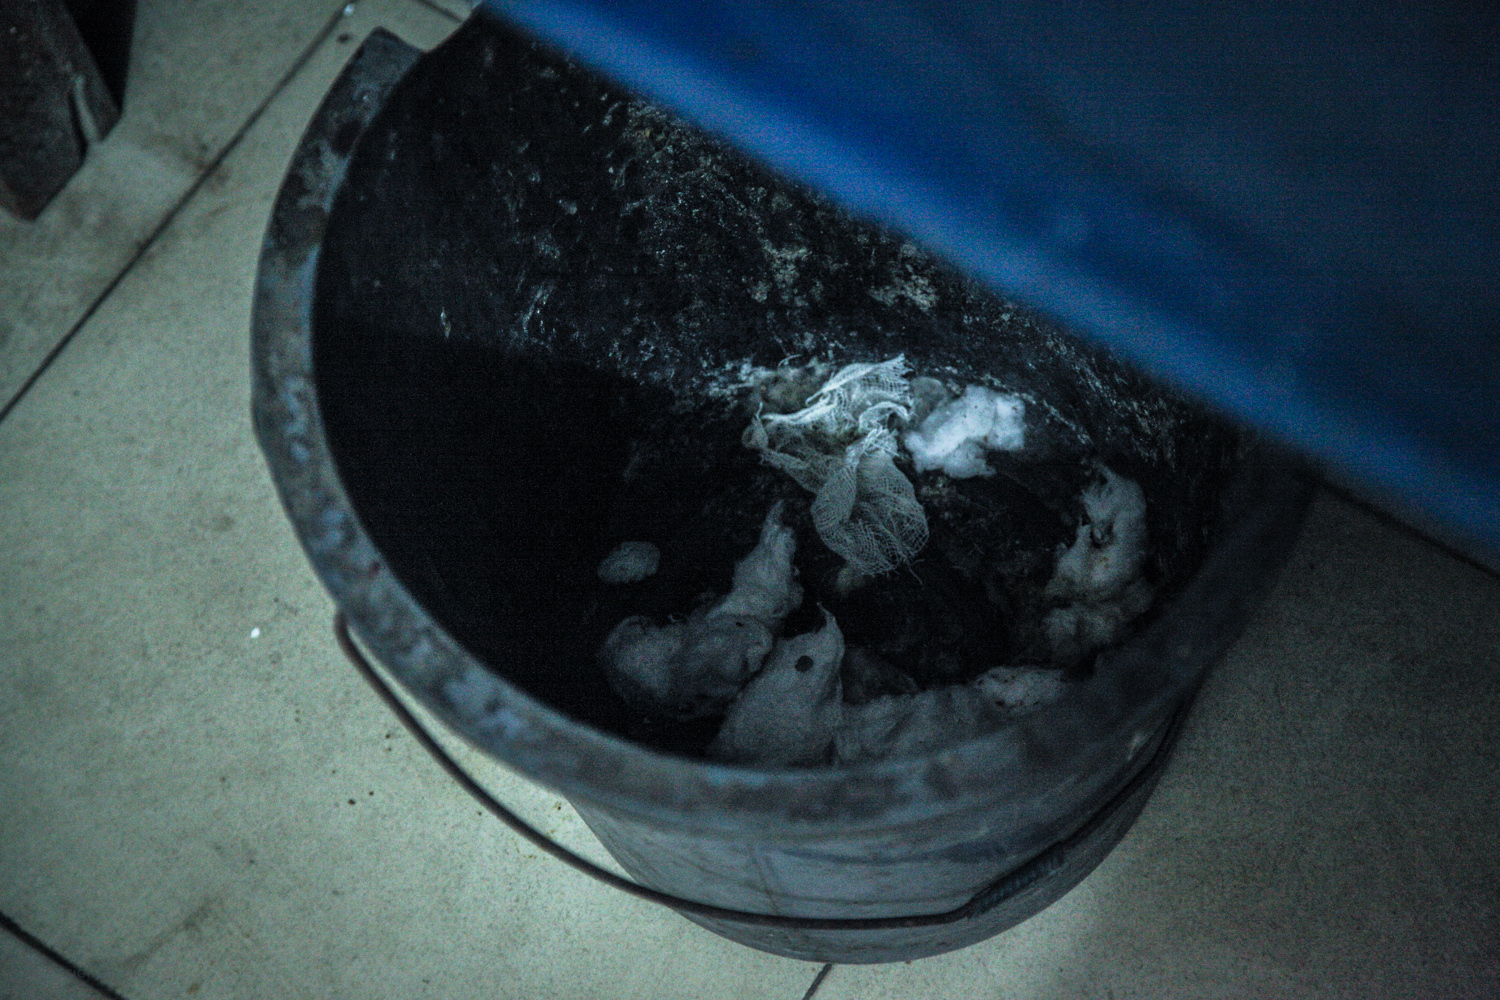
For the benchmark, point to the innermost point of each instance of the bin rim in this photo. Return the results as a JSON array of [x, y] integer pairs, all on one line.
[[1031, 765]]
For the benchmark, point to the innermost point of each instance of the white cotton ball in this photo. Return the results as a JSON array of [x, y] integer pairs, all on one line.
[[1008, 424], [1019, 690], [630, 562], [788, 712], [1109, 551], [693, 668], [871, 731], [1078, 629], [1101, 572], [764, 586], [641, 655], [1120, 504], [927, 394], [687, 669], [963, 461], [905, 725], [955, 436]]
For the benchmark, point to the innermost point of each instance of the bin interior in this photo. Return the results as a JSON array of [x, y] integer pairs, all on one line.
[[536, 302]]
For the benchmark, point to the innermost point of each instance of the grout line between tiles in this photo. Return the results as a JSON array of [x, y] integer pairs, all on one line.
[[812, 990], [36, 944], [172, 213], [439, 9]]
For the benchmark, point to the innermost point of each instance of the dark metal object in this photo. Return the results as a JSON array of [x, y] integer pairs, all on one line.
[[54, 104], [812, 989], [934, 828], [1048, 863], [1288, 209]]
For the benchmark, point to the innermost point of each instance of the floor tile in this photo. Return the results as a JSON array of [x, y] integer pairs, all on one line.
[[207, 801], [26, 974], [458, 9], [1330, 825], [198, 69]]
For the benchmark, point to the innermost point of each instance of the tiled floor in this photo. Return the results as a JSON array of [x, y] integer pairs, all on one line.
[[198, 798]]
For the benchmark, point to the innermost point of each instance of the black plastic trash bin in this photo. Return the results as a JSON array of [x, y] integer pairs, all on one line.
[[459, 296]]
